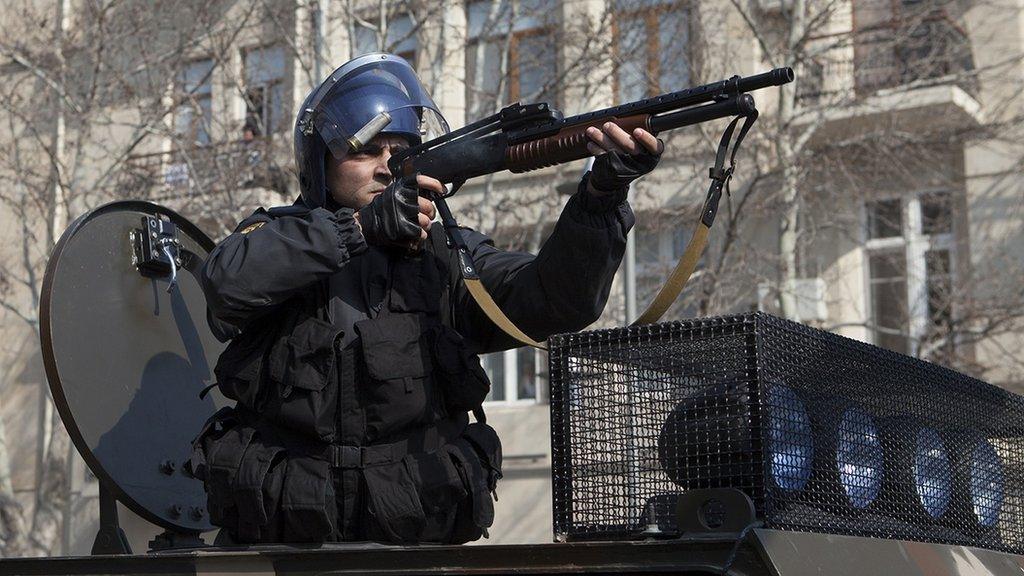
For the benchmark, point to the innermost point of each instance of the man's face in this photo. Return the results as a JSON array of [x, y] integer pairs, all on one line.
[[362, 174]]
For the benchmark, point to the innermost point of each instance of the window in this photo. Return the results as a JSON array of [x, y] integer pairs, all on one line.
[[910, 251], [494, 365], [887, 276], [648, 247], [885, 219], [659, 246], [929, 43], [526, 72], [904, 41], [194, 115], [265, 106], [526, 373], [517, 376], [811, 88], [651, 49], [936, 213], [400, 39], [939, 286]]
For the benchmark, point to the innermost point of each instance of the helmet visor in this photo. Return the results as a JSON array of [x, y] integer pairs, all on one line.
[[359, 92]]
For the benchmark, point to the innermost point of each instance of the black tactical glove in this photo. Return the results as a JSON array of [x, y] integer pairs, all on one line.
[[392, 217], [615, 170]]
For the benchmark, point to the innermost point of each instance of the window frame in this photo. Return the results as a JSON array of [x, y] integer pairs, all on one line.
[[515, 38], [915, 245], [414, 28], [510, 385], [192, 100], [514, 84], [652, 17], [528, 239], [266, 130], [886, 38], [672, 240]]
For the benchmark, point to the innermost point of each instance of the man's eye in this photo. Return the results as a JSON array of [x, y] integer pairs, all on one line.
[[368, 151]]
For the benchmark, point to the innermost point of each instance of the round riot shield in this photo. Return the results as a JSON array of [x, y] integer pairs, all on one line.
[[127, 351]]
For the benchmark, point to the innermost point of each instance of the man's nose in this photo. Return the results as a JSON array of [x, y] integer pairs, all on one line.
[[382, 164]]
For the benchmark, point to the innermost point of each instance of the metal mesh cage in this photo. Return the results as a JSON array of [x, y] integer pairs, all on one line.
[[824, 433]]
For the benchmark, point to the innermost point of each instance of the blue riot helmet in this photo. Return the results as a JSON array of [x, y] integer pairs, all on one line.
[[372, 94]]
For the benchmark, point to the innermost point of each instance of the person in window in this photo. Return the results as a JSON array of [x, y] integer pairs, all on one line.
[[353, 342]]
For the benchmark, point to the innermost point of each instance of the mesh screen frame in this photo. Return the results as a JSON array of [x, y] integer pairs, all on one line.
[[755, 402]]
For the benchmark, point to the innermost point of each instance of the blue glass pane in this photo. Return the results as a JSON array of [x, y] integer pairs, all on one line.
[[401, 37], [536, 68], [674, 50], [494, 365], [366, 41], [483, 79], [492, 19], [631, 50], [196, 77], [264, 66], [488, 18]]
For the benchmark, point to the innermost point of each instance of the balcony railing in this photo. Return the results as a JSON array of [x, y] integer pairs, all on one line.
[[205, 170], [890, 57]]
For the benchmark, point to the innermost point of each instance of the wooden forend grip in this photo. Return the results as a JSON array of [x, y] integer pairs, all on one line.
[[568, 145]]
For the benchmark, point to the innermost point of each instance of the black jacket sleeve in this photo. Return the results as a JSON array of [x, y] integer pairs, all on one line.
[[563, 288], [267, 259]]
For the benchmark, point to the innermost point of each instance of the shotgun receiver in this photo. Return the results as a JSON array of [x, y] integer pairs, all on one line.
[[524, 137]]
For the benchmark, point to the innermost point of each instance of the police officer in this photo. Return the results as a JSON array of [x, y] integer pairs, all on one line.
[[353, 343]]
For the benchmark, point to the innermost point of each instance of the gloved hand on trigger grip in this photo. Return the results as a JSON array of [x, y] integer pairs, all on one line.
[[392, 217], [615, 170]]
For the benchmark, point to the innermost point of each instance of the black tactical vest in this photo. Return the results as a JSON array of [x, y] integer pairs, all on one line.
[[385, 415]]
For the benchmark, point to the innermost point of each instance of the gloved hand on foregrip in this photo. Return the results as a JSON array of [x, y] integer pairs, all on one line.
[[392, 217], [614, 170]]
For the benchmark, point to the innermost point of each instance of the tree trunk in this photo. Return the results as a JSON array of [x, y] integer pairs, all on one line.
[[788, 243], [788, 231], [52, 483]]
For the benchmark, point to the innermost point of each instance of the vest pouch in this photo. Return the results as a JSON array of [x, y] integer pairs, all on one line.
[[485, 441], [394, 503], [240, 365], [477, 458], [223, 452], [462, 379], [258, 490], [440, 490], [243, 476], [223, 419], [302, 362], [397, 394], [308, 508]]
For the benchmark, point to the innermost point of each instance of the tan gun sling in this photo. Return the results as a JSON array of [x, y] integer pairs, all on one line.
[[720, 177]]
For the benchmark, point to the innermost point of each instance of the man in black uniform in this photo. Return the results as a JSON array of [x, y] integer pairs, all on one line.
[[353, 342]]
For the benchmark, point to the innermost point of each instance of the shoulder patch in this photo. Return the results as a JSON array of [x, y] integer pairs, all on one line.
[[251, 227]]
